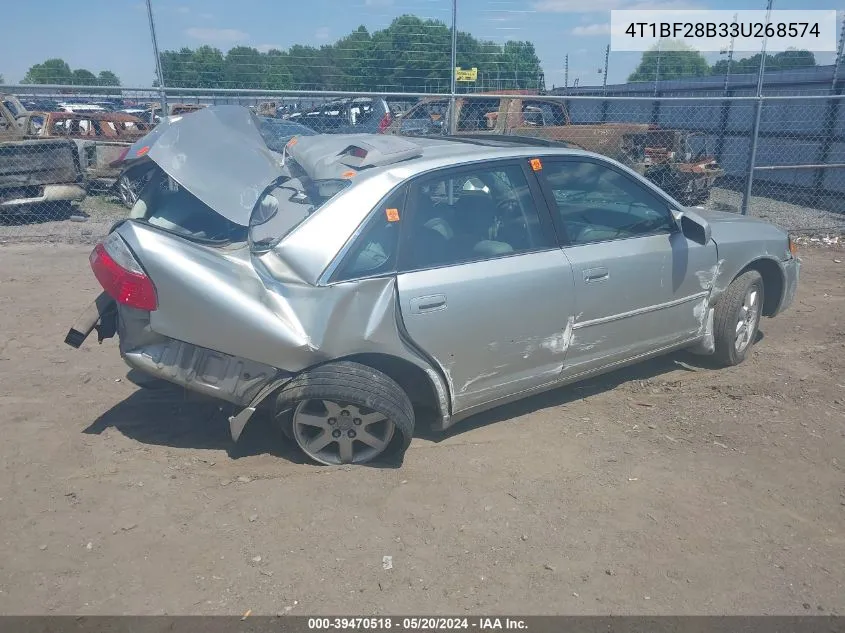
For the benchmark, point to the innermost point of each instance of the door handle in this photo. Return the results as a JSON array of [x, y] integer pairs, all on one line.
[[428, 303], [592, 275]]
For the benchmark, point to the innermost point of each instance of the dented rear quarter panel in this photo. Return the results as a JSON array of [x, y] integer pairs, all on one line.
[[228, 301]]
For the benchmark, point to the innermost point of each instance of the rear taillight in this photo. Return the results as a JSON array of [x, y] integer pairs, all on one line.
[[385, 122], [121, 276]]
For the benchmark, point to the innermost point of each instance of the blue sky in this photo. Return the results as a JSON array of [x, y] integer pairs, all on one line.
[[113, 34]]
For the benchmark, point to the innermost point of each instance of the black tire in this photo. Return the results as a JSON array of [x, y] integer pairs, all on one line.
[[354, 384], [726, 317]]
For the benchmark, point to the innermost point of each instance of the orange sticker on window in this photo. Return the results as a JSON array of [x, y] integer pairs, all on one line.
[[392, 215], [348, 174], [536, 165], [143, 150], [292, 142]]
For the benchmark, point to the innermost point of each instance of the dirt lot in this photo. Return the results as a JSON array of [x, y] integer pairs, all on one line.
[[667, 488]]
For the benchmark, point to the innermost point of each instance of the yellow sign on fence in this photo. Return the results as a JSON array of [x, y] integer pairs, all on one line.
[[469, 74]]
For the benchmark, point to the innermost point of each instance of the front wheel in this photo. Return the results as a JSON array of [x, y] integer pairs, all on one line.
[[737, 318], [346, 413]]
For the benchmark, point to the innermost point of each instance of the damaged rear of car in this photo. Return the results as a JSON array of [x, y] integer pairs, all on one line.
[[204, 291]]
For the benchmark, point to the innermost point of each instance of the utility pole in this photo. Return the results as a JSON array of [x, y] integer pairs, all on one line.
[[657, 69], [453, 119], [162, 91], [839, 51], [566, 71], [755, 130], [730, 59], [606, 62]]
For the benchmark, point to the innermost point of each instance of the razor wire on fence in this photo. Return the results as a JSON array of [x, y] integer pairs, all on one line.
[[60, 179]]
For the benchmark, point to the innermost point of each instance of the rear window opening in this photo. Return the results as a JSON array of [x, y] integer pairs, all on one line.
[[287, 203], [165, 204]]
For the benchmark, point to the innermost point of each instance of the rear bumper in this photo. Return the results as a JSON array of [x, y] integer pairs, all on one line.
[[215, 374], [50, 193]]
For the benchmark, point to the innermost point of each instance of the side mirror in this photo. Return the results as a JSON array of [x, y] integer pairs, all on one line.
[[695, 227]]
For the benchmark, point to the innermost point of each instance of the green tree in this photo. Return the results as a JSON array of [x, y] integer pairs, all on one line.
[[677, 60], [785, 60], [411, 54], [2, 81], [52, 71], [82, 77], [107, 78]]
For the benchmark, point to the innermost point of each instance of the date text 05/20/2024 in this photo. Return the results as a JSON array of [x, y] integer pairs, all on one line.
[[417, 624]]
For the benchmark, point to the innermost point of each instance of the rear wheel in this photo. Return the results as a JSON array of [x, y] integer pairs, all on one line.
[[346, 413], [737, 318]]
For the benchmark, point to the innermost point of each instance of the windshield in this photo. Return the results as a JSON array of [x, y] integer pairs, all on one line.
[[287, 203]]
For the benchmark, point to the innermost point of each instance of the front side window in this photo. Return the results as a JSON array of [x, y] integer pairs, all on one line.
[[462, 216], [596, 203]]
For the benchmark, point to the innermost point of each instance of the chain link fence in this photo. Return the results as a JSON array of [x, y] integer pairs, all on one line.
[[58, 182]]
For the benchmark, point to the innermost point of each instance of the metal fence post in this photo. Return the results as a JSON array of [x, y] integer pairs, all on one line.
[[453, 118], [755, 130], [161, 88]]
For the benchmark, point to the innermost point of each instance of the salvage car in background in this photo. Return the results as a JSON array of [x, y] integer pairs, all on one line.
[[348, 116], [537, 117], [36, 175], [100, 137], [355, 280], [677, 161]]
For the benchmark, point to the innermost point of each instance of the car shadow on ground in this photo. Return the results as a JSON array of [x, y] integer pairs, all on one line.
[[169, 416]]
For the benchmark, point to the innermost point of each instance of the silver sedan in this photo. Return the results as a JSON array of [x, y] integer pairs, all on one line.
[[349, 282]]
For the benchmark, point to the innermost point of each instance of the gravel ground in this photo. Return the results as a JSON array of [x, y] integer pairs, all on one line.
[[100, 212], [666, 488]]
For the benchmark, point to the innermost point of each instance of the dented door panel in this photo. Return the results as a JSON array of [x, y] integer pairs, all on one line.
[[495, 327], [653, 295]]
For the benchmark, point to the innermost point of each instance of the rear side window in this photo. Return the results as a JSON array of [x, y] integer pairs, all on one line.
[[375, 251]]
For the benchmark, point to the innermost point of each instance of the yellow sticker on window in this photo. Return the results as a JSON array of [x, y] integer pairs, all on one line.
[[536, 165], [392, 215]]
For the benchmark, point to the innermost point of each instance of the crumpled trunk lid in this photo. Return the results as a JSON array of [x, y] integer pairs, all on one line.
[[217, 154]]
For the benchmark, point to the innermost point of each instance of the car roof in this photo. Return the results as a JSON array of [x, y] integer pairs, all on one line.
[[332, 155]]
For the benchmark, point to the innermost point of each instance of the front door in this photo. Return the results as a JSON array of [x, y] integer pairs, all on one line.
[[640, 284], [484, 289]]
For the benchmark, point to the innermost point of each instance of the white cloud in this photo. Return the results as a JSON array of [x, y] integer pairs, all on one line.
[[216, 35], [600, 6], [264, 48], [322, 34], [592, 29], [378, 3]]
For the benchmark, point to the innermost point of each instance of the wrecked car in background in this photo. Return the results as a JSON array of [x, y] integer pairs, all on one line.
[[36, 175], [100, 137], [672, 159], [352, 282], [677, 161]]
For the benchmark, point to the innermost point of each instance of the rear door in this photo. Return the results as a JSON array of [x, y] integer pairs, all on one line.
[[639, 282], [484, 288]]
